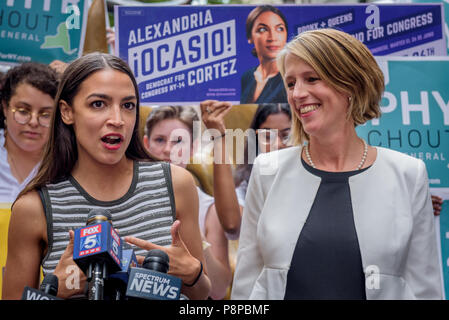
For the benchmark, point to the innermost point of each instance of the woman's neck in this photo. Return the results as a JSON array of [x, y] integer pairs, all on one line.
[[21, 162], [104, 182], [336, 153], [268, 68]]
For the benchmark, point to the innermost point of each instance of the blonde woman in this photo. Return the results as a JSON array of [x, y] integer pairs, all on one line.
[[335, 218]]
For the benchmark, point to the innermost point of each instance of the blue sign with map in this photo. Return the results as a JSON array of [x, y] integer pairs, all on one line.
[[41, 31]]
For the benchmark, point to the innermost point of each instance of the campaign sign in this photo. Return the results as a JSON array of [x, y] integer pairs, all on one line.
[[415, 114], [41, 30], [415, 121], [446, 16], [187, 54]]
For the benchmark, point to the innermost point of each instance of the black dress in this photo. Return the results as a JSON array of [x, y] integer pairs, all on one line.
[[273, 91], [326, 263]]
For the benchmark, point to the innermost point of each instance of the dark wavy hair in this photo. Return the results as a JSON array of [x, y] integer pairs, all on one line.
[[255, 13], [263, 111], [39, 76], [61, 154]]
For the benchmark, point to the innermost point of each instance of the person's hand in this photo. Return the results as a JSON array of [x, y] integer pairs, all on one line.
[[437, 202], [182, 264], [72, 280], [110, 38], [58, 66], [213, 113]]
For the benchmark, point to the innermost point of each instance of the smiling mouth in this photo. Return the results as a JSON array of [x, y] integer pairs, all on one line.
[[308, 108]]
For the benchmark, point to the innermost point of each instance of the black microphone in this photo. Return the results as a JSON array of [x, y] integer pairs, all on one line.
[[50, 284], [152, 282], [48, 290], [156, 260], [116, 284], [97, 251]]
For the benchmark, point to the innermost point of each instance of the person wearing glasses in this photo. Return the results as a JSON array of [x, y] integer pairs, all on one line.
[[271, 125], [27, 104]]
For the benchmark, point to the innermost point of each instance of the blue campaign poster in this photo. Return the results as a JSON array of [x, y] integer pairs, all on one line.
[[415, 120], [187, 54], [446, 17], [41, 30]]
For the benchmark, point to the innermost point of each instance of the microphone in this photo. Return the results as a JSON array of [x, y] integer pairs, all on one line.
[[117, 282], [97, 251], [48, 290], [152, 282]]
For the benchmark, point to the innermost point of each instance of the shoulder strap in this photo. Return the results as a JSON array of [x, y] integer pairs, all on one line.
[[46, 204], [168, 179]]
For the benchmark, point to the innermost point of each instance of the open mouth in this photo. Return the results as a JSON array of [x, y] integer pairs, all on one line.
[[112, 141]]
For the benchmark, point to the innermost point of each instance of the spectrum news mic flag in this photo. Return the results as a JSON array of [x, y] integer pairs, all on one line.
[[97, 251], [151, 282], [48, 290]]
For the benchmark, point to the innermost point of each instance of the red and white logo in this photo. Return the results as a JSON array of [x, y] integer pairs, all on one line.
[[115, 236], [90, 230], [90, 251]]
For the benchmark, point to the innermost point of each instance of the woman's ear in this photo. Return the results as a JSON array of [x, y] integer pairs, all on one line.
[[66, 112], [146, 142]]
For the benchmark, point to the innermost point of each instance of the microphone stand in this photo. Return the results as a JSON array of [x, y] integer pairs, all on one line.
[[96, 281]]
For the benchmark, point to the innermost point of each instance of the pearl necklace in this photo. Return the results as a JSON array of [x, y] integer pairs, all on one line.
[[362, 162]]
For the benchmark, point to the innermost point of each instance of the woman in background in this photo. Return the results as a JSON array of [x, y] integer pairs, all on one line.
[[271, 125], [27, 105], [169, 137]]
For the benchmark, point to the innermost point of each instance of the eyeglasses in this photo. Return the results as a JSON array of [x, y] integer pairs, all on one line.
[[267, 134], [23, 116]]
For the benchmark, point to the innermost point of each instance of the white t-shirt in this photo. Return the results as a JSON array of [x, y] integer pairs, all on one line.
[[9, 186], [240, 191], [205, 201]]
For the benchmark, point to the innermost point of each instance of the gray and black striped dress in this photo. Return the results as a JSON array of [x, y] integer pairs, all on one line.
[[146, 211]]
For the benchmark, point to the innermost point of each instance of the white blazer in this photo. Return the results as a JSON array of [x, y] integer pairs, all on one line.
[[393, 218]]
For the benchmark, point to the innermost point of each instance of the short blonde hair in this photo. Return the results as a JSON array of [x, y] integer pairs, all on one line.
[[344, 63]]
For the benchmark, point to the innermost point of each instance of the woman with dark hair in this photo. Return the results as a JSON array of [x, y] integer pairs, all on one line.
[[27, 104], [95, 159], [266, 29], [269, 130]]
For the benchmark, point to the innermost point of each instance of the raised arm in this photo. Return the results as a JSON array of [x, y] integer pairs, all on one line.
[[228, 209]]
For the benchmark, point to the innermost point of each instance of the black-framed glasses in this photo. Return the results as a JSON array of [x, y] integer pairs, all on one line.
[[23, 116]]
